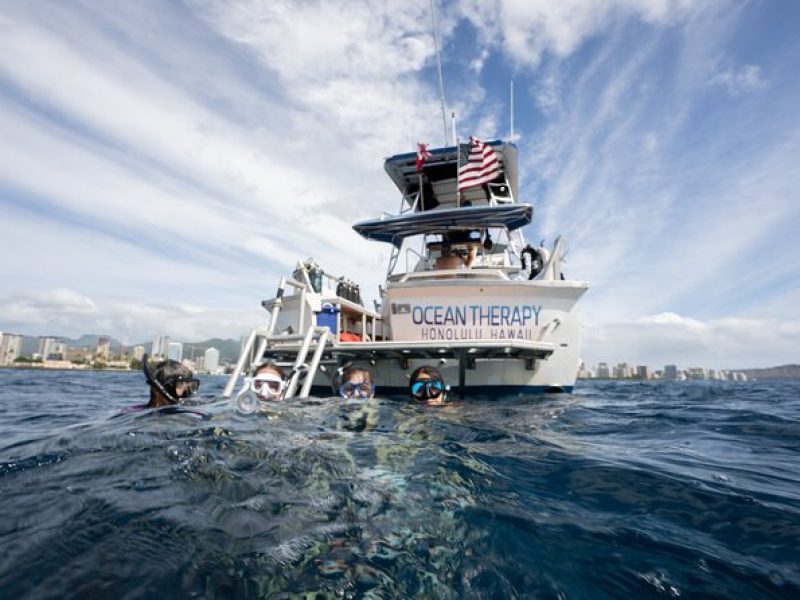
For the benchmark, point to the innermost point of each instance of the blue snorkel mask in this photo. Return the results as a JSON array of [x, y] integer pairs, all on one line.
[[427, 389]]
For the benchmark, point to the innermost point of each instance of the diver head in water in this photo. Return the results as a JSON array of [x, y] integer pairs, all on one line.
[[269, 381], [169, 381], [356, 383], [427, 385]]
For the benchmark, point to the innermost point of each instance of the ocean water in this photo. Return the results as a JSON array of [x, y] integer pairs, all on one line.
[[620, 490]]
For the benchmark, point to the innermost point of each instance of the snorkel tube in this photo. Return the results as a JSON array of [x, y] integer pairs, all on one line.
[[155, 383]]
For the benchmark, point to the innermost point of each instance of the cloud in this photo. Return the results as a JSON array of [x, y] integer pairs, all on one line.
[[169, 161], [352, 73], [67, 313], [736, 82], [527, 29], [669, 338], [173, 167], [46, 305], [547, 92], [665, 207], [476, 64]]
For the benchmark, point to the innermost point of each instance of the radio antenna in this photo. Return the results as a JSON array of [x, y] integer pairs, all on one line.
[[439, 66], [512, 110]]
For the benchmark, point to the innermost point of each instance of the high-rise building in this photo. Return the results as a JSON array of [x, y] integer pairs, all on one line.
[[51, 348], [642, 372], [583, 373], [211, 360], [160, 346], [696, 373], [138, 352], [10, 348], [602, 371], [670, 372], [175, 351], [59, 351], [622, 371], [103, 347]]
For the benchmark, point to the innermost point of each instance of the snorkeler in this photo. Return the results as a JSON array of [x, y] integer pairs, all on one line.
[[268, 383], [170, 382], [356, 383], [427, 385]]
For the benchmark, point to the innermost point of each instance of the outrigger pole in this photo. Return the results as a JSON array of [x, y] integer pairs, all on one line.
[[439, 66]]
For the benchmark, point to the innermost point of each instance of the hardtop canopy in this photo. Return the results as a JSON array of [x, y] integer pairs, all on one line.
[[395, 229]]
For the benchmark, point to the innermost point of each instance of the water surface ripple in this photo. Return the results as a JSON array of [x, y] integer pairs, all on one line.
[[619, 490]]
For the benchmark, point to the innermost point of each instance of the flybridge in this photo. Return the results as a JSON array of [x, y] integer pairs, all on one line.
[[439, 175]]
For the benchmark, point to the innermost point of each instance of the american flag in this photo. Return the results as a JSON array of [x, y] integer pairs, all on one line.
[[480, 167], [422, 155]]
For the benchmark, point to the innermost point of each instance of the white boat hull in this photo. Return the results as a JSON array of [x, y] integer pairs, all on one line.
[[435, 315]]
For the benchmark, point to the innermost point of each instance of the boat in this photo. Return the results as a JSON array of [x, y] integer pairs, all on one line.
[[464, 292]]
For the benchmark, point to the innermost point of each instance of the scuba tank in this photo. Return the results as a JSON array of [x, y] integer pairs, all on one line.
[[315, 275]]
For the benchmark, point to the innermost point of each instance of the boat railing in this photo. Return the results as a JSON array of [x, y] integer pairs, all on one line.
[[471, 273], [409, 202], [300, 365], [500, 193], [552, 269], [420, 257], [276, 304]]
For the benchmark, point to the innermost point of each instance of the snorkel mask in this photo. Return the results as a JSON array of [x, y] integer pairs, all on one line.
[[169, 387], [428, 389], [357, 389], [260, 388], [268, 386]]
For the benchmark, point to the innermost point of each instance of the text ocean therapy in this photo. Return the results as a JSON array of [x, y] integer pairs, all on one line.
[[474, 321]]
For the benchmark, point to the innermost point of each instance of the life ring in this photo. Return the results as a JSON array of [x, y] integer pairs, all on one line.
[[536, 261]]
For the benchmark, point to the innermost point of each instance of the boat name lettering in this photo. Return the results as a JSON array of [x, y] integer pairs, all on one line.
[[460, 334], [475, 315]]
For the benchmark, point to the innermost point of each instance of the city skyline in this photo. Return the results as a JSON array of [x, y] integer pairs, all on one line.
[[165, 163], [161, 347], [623, 370], [54, 351]]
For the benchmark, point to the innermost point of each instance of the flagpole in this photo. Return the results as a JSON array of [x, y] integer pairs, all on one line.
[[421, 193]]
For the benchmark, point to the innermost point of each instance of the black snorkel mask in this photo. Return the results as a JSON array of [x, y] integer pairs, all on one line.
[[168, 389]]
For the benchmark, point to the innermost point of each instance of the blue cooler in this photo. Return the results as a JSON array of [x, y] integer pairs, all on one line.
[[328, 317]]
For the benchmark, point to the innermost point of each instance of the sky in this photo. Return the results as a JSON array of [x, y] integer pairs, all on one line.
[[162, 164]]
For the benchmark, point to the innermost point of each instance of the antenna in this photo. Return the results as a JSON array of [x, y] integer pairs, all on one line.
[[439, 65], [512, 110]]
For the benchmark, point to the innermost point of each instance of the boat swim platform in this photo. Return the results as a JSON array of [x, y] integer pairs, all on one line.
[[294, 350], [422, 349], [464, 352]]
